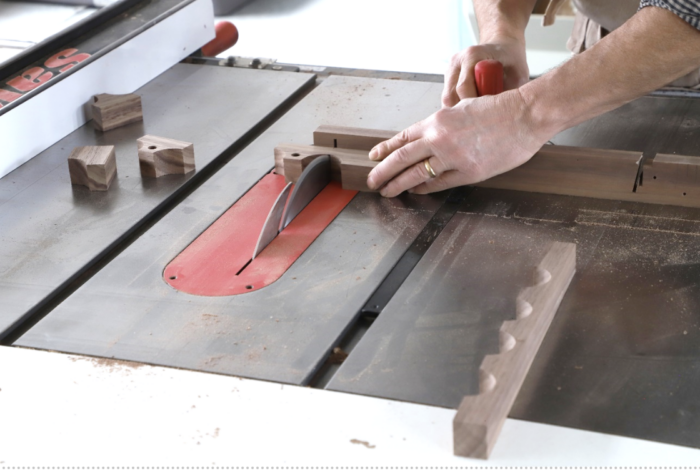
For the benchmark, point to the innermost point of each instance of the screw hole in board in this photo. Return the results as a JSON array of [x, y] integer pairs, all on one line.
[[249, 287], [295, 155], [173, 277], [151, 147]]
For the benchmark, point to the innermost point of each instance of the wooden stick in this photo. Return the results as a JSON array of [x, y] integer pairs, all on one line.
[[480, 418]]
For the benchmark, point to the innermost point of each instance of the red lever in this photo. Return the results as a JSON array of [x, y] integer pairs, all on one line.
[[226, 37], [488, 75]]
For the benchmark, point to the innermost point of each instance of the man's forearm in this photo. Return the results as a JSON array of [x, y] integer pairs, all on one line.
[[650, 50], [502, 18]]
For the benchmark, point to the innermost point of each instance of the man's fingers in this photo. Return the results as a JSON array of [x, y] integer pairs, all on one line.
[[413, 176], [449, 179], [397, 162], [449, 92], [466, 86], [382, 150]]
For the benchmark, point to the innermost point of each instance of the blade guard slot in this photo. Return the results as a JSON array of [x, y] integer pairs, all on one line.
[[218, 262]]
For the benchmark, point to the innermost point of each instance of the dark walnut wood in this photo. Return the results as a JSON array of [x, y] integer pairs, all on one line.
[[113, 111]]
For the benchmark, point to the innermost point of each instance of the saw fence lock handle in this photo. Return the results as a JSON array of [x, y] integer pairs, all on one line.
[[488, 75]]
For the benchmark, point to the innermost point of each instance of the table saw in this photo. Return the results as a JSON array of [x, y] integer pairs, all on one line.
[[396, 300]]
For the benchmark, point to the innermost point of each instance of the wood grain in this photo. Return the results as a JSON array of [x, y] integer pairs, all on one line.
[[113, 111], [350, 138], [480, 418], [160, 156], [671, 177], [94, 167]]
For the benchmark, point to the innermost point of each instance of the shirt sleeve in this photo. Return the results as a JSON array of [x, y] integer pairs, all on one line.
[[687, 10]]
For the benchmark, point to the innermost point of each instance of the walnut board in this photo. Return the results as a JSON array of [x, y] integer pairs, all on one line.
[[479, 418], [563, 170]]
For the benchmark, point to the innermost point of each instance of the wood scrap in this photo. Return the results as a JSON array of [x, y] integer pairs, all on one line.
[[113, 111], [93, 166], [479, 419], [160, 156], [348, 166]]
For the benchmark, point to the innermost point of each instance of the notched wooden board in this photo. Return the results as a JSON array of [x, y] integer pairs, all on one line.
[[479, 419]]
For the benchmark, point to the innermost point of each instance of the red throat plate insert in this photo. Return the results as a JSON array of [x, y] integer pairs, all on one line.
[[218, 262]]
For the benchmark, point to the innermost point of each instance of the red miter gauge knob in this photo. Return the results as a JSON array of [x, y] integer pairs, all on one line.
[[488, 75], [226, 37]]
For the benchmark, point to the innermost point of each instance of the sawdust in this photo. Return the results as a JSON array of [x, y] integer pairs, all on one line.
[[355, 441], [113, 366]]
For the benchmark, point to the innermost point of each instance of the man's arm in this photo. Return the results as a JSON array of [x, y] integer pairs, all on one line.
[[501, 37], [650, 50], [483, 137]]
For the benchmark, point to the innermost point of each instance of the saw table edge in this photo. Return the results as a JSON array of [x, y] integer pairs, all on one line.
[[480, 418]]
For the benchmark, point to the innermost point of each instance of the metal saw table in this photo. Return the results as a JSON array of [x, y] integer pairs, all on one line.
[[82, 272]]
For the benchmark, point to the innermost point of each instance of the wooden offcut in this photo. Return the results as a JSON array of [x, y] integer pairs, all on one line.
[[348, 166], [479, 419], [112, 111], [94, 167], [160, 156]]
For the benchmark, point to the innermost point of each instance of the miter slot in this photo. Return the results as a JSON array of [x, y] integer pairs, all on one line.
[[387, 288]]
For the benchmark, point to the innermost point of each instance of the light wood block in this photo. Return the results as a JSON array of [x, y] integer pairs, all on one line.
[[480, 418], [94, 167], [113, 111], [160, 156]]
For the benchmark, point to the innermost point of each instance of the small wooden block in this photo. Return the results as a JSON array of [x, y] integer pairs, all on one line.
[[160, 156], [348, 166], [94, 167], [480, 418], [113, 111]]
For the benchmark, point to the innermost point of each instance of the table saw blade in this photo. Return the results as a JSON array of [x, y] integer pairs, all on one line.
[[272, 223], [313, 179]]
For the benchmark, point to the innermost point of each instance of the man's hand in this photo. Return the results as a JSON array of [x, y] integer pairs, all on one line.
[[468, 143], [459, 78]]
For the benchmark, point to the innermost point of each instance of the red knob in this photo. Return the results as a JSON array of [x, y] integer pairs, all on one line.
[[226, 37], [488, 75]]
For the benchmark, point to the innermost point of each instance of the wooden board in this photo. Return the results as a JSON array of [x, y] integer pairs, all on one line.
[[480, 418], [563, 170], [350, 138], [160, 156], [113, 111], [93, 166]]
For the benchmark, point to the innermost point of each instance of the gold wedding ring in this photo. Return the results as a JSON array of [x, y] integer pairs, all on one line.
[[430, 170]]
